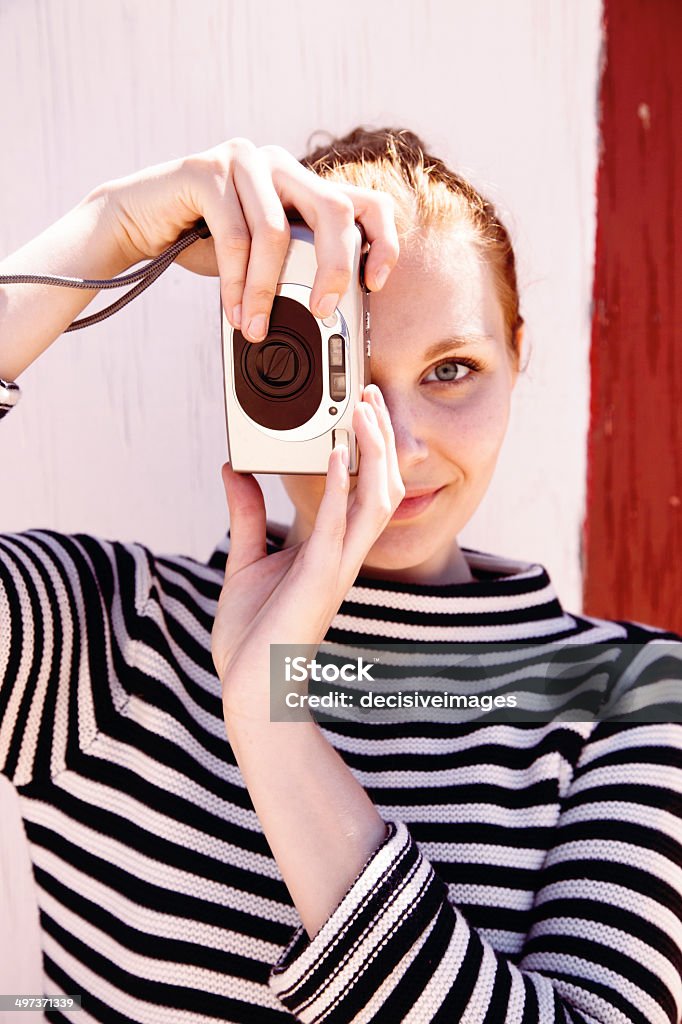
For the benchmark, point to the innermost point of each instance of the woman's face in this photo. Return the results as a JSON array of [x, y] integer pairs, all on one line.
[[440, 358]]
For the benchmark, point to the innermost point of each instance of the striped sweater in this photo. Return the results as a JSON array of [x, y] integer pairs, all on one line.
[[531, 873]]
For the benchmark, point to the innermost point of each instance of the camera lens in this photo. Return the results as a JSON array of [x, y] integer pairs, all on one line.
[[280, 366], [279, 380], [277, 364]]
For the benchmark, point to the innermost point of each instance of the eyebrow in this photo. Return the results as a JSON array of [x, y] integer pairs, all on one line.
[[457, 341]]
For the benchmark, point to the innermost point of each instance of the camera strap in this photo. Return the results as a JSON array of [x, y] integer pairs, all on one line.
[[140, 279]]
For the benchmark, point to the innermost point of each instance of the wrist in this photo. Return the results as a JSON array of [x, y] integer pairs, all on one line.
[[149, 210], [106, 200], [258, 693]]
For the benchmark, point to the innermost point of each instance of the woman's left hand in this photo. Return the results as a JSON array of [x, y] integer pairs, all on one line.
[[292, 595]]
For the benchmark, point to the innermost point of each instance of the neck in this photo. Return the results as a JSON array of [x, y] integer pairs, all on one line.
[[445, 567]]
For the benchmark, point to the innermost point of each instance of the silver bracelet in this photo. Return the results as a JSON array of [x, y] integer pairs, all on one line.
[[9, 396]]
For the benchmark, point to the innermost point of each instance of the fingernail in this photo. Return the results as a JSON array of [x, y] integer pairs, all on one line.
[[344, 455], [258, 327], [237, 317], [327, 305], [381, 276], [378, 398]]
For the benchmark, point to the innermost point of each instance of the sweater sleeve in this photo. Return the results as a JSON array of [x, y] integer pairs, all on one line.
[[605, 943], [69, 608]]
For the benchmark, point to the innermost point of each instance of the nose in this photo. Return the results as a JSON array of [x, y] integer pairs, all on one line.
[[410, 431]]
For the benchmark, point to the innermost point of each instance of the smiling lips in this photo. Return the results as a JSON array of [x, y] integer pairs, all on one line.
[[415, 502]]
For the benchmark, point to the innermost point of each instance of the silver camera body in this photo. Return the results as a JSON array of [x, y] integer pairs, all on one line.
[[290, 398]]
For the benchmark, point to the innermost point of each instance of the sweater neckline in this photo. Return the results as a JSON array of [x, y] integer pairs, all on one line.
[[486, 569], [508, 599]]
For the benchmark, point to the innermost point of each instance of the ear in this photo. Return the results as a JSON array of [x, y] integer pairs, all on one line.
[[519, 350]]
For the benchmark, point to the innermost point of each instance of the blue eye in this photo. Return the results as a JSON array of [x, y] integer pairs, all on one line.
[[449, 371]]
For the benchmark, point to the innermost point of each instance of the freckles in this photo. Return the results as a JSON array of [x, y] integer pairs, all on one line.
[[474, 431]]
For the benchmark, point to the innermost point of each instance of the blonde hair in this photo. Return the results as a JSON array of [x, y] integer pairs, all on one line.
[[427, 195]]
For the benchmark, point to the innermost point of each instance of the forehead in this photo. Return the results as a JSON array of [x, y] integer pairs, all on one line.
[[442, 285]]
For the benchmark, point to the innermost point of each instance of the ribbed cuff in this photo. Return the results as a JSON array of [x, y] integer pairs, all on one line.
[[372, 930], [9, 396]]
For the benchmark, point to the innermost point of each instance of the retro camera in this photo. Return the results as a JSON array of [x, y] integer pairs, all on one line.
[[289, 399]]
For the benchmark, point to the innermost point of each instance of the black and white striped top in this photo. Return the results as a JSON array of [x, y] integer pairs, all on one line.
[[531, 874]]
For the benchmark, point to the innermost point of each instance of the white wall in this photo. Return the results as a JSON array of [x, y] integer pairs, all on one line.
[[123, 422], [120, 431]]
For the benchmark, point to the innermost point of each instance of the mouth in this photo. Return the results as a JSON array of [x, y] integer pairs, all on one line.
[[415, 502]]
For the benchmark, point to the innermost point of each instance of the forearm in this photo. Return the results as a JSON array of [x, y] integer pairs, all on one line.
[[83, 243], [320, 823]]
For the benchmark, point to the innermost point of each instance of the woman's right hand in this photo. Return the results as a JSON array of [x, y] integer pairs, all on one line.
[[243, 193]]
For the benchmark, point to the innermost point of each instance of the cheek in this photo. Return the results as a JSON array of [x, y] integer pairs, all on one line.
[[472, 431]]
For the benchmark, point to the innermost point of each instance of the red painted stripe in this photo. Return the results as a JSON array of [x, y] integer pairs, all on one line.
[[632, 538]]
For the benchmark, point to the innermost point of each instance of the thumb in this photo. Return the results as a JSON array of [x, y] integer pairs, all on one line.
[[247, 519]]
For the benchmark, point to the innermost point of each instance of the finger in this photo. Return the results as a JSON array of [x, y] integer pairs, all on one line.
[[372, 507], [269, 230], [211, 191], [373, 394], [335, 233], [332, 219], [329, 213], [232, 244], [324, 546], [247, 520], [376, 212]]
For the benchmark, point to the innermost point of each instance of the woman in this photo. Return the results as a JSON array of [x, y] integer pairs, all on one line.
[[455, 872]]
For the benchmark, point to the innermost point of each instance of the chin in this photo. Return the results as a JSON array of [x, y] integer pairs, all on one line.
[[396, 552]]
